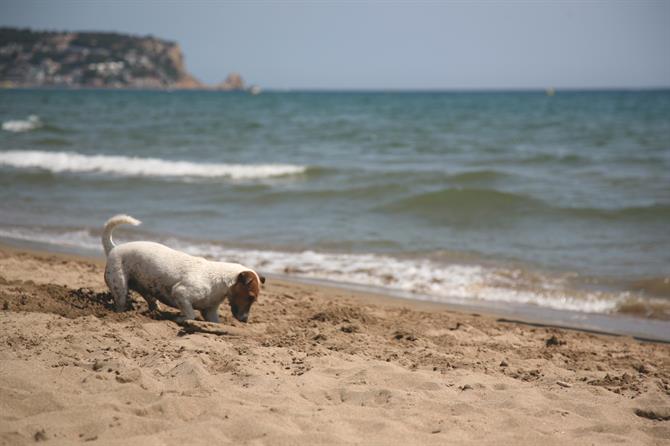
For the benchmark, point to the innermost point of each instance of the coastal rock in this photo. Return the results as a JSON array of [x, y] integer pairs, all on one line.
[[233, 82]]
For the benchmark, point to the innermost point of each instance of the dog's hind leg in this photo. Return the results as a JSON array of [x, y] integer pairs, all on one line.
[[182, 297], [118, 285], [150, 299], [211, 314]]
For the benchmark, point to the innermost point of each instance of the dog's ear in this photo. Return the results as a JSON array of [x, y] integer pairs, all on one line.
[[245, 277], [262, 278]]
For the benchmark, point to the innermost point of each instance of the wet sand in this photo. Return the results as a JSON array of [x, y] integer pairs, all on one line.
[[315, 365]]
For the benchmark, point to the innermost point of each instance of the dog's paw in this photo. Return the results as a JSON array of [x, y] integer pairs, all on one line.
[[153, 305], [181, 319]]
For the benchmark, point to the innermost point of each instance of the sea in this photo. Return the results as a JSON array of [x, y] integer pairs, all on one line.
[[515, 202]]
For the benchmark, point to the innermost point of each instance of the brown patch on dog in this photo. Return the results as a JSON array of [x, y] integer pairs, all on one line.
[[243, 294]]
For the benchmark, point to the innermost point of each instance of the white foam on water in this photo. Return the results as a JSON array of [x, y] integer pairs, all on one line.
[[60, 162], [420, 279], [31, 123]]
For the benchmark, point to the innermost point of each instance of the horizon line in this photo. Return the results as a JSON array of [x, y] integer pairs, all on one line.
[[555, 90]]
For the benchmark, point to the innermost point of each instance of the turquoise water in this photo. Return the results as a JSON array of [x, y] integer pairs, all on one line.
[[561, 202]]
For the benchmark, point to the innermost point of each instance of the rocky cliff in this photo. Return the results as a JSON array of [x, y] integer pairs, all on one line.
[[87, 59]]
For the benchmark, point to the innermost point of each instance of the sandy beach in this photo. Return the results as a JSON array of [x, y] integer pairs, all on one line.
[[315, 365]]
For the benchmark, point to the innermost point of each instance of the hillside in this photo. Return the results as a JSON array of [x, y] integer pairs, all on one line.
[[90, 59]]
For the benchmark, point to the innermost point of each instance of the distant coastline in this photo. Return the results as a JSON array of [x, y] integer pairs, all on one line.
[[334, 91], [98, 60]]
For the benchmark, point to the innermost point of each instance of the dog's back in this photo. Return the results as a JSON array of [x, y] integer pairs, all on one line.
[[151, 267], [154, 259]]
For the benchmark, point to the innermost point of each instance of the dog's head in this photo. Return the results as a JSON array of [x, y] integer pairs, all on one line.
[[244, 293]]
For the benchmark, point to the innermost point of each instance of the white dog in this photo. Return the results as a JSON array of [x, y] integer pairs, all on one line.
[[175, 278]]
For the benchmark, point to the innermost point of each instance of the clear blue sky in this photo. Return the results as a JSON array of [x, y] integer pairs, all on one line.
[[390, 45]]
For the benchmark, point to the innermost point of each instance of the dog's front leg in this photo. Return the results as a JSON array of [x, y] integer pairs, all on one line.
[[211, 314], [115, 279]]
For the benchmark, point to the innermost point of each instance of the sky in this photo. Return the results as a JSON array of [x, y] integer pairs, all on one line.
[[390, 45]]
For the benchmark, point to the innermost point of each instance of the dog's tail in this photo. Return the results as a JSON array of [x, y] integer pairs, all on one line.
[[112, 223]]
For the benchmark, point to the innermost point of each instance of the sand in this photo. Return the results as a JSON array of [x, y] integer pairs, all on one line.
[[315, 365]]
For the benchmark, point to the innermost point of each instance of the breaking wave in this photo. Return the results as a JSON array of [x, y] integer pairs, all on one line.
[[70, 162], [31, 123]]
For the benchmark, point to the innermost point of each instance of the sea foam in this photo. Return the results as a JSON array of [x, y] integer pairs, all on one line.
[[31, 123], [418, 278], [63, 162]]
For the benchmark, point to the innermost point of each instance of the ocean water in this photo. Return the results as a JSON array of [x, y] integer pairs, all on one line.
[[556, 202]]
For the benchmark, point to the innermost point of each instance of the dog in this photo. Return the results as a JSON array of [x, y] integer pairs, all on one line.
[[175, 278]]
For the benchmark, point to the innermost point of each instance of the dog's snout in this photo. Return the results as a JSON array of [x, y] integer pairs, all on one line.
[[242, 317]]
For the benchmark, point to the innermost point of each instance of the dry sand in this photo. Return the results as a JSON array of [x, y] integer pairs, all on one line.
[[315, 365]]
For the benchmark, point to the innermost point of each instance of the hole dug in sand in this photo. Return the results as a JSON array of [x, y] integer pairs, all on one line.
[[56, 299], [72, 303]]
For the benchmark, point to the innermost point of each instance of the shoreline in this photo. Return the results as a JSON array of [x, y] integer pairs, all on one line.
[[650, 330]]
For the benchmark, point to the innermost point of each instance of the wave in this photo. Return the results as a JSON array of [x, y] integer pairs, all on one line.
[[16, 126], [462, 204], [342, 192], [570, 159], [649, 308], [651, 212], [64, 162], [472, 205], [476, 176], [52, 142], [412, 277], [467, 198]]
